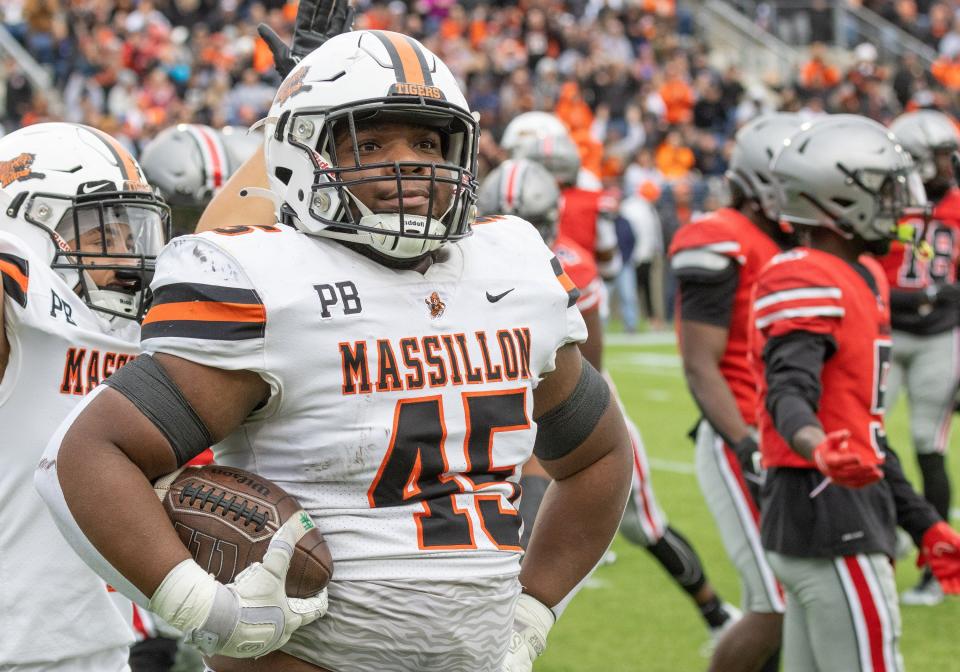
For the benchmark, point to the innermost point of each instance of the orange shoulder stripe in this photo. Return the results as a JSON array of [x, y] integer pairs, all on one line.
[[11, 271], [206, 311]]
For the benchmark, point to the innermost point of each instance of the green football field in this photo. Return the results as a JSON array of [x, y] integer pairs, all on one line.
[[632, 616]]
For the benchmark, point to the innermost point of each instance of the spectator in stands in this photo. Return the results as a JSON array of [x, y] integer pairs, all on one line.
[[674, 159], [817, 75]]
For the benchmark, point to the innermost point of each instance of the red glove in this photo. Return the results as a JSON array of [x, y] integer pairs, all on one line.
[[843, 465], [940, 548]]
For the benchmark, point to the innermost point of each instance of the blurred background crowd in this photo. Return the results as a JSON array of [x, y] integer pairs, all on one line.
[[652, 108]]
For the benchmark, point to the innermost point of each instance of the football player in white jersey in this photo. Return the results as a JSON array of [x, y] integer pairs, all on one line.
[[79, 231], [388, 364]]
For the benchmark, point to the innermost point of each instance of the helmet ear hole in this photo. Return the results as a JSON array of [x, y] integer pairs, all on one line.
[[284, 175]]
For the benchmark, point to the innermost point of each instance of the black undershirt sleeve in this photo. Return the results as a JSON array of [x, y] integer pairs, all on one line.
[[793, 366], [708, 298], [914, 513], [901, 301]]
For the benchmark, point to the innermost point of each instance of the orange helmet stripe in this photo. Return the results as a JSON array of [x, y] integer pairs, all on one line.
[[409, 62]]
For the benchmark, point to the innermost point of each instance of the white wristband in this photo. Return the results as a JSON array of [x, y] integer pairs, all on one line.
[[185, 597]]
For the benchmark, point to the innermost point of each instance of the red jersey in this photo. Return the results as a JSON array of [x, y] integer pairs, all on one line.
[[812, 291], [730, 233], [909, 272], [579, 211], [582, 270]]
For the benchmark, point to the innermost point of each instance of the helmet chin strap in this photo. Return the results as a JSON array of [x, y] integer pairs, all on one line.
[[121, 303], [391, 243]]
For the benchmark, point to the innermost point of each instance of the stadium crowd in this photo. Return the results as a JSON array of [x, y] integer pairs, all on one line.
[[651, 113]]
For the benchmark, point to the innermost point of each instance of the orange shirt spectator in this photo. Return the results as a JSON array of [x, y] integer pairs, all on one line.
[[678, 98], [572, 109], [947, 72], [816, 74], [673, 159]]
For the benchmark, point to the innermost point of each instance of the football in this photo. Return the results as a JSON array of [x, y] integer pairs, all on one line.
[[226, 517]]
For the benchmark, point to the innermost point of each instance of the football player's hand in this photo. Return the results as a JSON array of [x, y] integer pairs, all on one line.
[[317, 22], [248, 618], [940, 548], [532, 621], [842, 464], [748, 454]]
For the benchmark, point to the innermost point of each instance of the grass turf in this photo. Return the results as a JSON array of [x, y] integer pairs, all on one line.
[[632, 617]]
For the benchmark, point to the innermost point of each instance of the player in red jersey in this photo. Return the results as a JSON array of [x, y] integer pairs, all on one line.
[[717, 260], [925, 307], [528, 190], [834, 490]]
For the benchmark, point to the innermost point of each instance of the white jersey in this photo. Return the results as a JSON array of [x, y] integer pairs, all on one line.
[[52, 606], [401, 405]]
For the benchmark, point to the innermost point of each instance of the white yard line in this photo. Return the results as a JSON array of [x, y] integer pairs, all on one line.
[[648, 338]]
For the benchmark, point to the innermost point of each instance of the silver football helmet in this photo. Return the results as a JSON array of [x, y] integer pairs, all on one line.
[[189, 163], [755, 145], [847, 173], [556, 153], [525, 189], [922, 133]]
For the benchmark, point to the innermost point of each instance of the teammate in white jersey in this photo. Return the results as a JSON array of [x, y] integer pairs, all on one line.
[[79, 230], [383, 365]]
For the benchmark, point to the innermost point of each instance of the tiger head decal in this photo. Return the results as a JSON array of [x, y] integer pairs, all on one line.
[[18, 169], [436, 305]]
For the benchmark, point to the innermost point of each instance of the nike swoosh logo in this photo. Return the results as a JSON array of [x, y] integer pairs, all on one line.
[[493, 298], [93, 188]]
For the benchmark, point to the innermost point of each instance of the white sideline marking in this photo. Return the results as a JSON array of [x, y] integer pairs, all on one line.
[[653, 360], [650, 338], [671, 466]]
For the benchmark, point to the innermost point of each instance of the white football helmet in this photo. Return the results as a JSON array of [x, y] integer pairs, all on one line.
[[78, 198], [525, 189], [188, 163], [532, 124], [556, 153], [850, 174], [755, 145], [924, 132], [364, 77]]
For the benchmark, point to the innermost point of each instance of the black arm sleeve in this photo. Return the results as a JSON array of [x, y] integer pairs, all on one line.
[[914, 513], [901, 300], [708, 298], [793, 365]]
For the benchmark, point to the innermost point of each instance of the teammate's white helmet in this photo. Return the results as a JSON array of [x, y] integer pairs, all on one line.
[[558, 154], [368, 76], [848, 173], [525, 189], [922, 133], [76, 196], [532, 124], [755, 145]]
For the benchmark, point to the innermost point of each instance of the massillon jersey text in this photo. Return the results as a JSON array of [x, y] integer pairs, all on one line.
[[401, 402], [59, 350]]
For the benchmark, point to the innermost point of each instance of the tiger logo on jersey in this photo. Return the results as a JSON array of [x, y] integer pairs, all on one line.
[[436, 305], [18, 169]]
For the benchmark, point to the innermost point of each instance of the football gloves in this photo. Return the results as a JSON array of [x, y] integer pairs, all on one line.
[[948, 293], [317, 22], [247, 618], [748, 454], [843, 464], [532, 621], [940, 549]]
